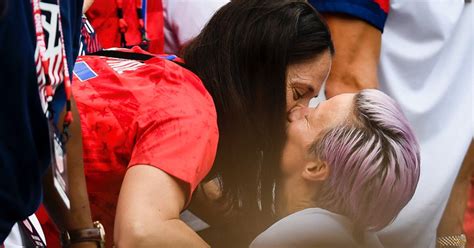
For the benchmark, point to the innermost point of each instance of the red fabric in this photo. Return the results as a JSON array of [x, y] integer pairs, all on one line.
[[89, 38], [103, 17], [155, 113], [155, 26], [384, 4], [50, 231]]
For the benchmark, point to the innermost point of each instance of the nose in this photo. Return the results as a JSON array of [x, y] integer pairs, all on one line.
[[298, 113]]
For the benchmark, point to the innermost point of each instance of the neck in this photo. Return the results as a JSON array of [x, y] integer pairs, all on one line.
[[293, 195]]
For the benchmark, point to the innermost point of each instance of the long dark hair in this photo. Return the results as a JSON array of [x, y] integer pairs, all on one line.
[[242, 56]]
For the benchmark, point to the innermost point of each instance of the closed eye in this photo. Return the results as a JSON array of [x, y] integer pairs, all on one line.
[[297, 94]]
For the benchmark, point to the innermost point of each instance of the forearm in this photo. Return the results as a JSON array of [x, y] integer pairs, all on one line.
[[79, 214], [148, 211], [453, 216], [170, 233], [179, 234], [355, 62], [78, 217]]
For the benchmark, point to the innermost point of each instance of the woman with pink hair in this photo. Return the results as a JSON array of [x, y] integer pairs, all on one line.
[[349, 166]]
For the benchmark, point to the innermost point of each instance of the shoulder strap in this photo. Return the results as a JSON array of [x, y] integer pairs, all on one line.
[[123, 55], [137, 56]]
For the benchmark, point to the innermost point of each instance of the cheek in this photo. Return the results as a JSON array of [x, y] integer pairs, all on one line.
[[293, 151], [290, 102]]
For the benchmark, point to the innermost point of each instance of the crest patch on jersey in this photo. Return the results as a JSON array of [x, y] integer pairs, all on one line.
[[83, 71]]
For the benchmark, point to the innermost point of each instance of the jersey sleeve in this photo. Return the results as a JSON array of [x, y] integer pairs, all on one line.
[[372, 11], [177, 132]]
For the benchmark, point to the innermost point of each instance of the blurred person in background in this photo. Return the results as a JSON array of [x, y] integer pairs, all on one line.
[[167, 25], [88, 44], [184, 19], [128, 23], [39, 42]]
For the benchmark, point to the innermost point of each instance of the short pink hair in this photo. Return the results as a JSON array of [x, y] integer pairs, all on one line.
[[374, 162]]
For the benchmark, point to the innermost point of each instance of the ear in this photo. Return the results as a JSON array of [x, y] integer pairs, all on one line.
[[316, 171]]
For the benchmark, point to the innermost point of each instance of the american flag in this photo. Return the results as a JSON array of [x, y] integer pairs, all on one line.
[[89, 42]]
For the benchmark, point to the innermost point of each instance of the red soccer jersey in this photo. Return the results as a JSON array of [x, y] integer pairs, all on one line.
[[155, 113]]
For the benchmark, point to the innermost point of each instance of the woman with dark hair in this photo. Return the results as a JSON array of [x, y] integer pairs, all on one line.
[[147, 146], [268, 59]]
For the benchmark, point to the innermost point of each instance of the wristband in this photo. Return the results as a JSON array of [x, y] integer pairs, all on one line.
[[95, 234], [456, 241]]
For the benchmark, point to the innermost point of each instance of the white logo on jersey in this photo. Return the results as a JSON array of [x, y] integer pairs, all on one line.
[[121, 65]]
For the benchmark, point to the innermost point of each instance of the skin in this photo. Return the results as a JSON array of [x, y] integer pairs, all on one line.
[[87, 4], [453, 217], [357, 46], [302, 172], [79, 216], [144, 221], [304, 80]]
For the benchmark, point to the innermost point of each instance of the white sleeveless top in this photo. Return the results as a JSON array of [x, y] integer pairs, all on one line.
[[314, 227]]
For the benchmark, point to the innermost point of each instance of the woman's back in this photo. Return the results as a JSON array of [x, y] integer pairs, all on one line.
[[129, 110]]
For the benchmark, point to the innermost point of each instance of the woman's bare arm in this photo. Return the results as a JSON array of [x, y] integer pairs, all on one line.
[[355, 63], [148, 211], [79, 216], [453, 217]]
